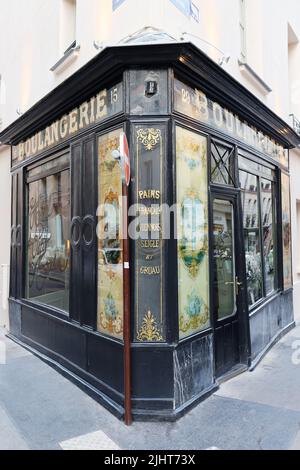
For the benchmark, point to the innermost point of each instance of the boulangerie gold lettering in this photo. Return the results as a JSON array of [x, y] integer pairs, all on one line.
[[92, 110], [54, 129], [40, 142], [28, 147], [84, 115], [48, 138], [63, 127], [194, 103], [73, 121], [95, 109], [218, 114], [34, 144], [101, 106], [229, 119]]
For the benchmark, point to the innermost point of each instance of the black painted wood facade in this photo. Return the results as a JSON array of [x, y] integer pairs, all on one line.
[[169, 375]]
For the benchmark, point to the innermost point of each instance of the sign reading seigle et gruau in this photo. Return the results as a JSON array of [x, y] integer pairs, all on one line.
[[194, 103], [103, 105]]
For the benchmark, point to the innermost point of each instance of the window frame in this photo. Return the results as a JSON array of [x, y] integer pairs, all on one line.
[[274, 181], [66, 6], [50, 309], [231, 149]]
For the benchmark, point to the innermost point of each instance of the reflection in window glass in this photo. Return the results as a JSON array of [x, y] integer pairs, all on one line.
[[224, 259], [110, 254], [286, 231], [249, 197], [268, 227], [192, 232], [48, 243], [250, 165]]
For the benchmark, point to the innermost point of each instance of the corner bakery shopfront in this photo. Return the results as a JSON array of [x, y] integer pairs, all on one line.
[[209, 226]]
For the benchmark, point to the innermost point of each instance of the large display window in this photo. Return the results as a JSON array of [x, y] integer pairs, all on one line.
[[258, 197], [286, 231], [48, 233]]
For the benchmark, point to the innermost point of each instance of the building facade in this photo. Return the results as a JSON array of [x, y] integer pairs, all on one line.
[[211, 153]]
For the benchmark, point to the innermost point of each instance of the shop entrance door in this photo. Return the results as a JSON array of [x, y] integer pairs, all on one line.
[[226, 276]]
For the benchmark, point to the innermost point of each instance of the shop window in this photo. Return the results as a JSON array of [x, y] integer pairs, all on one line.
[[269, 234], [259, 222], [48, 234], [192, 232], [253, 260], [222, 164], [286, 231], [110, 254]]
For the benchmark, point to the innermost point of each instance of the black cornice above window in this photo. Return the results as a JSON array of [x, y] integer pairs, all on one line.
[[187, 60]]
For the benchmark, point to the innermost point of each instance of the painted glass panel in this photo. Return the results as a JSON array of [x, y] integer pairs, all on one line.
[[110, 254], [192, 232], [269, 233], [48, 240], [249, 195], [286, 231]]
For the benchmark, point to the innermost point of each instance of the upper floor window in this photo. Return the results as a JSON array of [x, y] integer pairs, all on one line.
[[243, 30], [68, 25]]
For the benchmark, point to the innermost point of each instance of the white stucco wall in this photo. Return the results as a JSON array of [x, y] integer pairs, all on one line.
[[4, 231], [31, 43], [30, 40], [295, 215]]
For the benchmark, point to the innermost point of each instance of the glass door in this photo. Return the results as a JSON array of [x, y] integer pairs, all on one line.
[[226, 284]]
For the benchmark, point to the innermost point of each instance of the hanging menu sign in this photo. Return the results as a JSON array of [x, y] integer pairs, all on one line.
[[195, 104], [149, 158], [105, 104]]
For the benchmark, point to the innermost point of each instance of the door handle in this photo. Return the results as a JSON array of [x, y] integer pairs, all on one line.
[[237, 285]]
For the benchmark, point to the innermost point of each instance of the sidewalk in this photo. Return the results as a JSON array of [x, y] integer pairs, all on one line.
[[40, 409]]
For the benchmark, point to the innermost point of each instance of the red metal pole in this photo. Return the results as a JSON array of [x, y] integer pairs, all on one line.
[[126, 293]]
